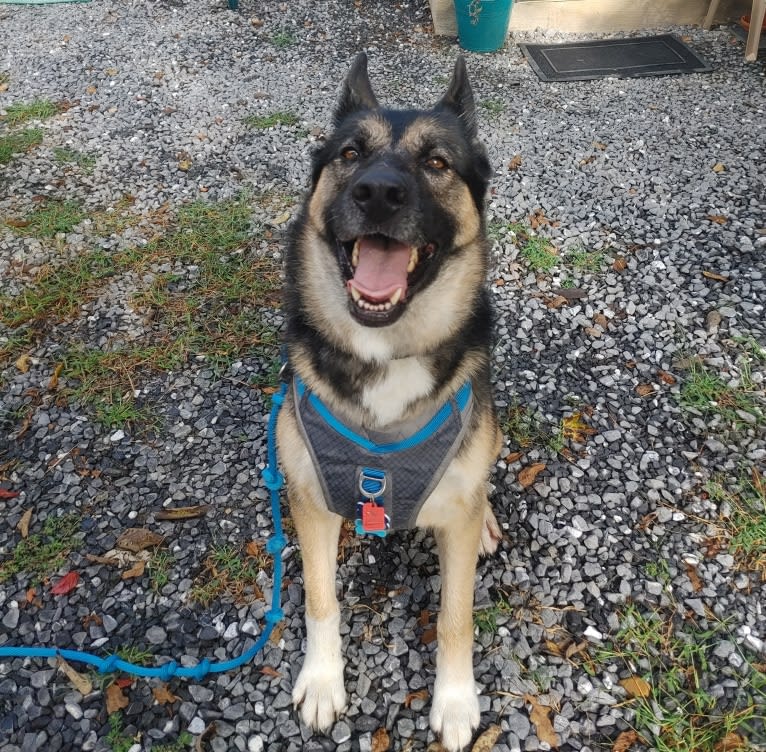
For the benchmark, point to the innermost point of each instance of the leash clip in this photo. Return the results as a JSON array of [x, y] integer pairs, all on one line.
[[371, 517]]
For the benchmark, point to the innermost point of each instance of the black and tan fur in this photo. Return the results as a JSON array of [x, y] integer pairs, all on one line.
[[378, 368]]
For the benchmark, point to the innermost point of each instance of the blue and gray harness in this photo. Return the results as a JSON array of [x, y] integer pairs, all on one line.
[[381, 479]]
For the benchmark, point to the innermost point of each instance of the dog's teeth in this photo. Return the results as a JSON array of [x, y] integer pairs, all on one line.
[[355, 254], [394, 299], [413, 260], [355, 294]]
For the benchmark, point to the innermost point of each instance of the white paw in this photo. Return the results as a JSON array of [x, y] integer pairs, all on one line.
[[455, 713], [491, 534], [320, 693]]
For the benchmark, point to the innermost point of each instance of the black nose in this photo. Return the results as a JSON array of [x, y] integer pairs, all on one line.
[[380, 193]]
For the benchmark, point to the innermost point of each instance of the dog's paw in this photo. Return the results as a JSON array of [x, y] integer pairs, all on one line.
[[455, 714], [320, 693], [491, 534]]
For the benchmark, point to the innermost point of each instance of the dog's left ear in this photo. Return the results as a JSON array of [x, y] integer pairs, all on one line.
[[459, 98], [357, 92]]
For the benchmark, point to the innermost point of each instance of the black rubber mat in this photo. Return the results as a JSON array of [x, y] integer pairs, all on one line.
[[625, 58]]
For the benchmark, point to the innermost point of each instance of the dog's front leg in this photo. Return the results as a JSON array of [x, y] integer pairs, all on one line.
[[455, 709], [319, 688]]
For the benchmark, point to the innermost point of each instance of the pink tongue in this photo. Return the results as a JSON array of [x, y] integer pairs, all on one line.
[[382, 268]]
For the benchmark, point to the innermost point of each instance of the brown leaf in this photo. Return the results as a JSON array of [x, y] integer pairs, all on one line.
[[6, 493], [528, 474], [136, 539], [666, 378], [719, 219], [557, 301], [183, 513], [421, 694], [694, 578], [598, 145], [713, 547], [123, 682], [380, 741], [428, 636], [137, 570], [486, 742], [644, 390], [272, 672], [23, 362], [719, 167], [81, 683], [625, 741], [620, 264], [515, 163], [425, 618], [115, 700], [570, 293], [542, 722], [163, 696], [591, 331], [575, 428], [185, 165], [714, 275], [635, 686], [254, 549], [730, 742], [513, 457], [600, 320], [555, 648], [23, 526], [91, 89], [54, 382]]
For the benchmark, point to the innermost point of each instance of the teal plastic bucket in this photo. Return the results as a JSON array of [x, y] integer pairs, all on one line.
[[482, 25]]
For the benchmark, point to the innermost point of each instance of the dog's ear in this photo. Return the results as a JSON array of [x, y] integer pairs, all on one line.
[[459, 98], [357, 92]]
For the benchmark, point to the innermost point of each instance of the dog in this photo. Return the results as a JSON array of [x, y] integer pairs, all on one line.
[[388, 334]]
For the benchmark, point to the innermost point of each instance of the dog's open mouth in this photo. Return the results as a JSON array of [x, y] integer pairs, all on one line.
[[382, 273]]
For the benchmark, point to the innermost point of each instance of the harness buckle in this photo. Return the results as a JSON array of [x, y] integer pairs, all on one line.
[[371, 517]]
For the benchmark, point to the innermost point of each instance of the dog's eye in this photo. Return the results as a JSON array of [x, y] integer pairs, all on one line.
[[437, 163], [350, 154]]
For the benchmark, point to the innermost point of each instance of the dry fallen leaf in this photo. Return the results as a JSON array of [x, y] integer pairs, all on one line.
[[598, 145], [428, 636], [625, 741], [730, 742], [183, 513], [136, 539], [380, 741], [272, 672], [575, 428], [644, 390], [115, 700], [556, 302], [515, 163], [635, 686], [719, 219], [719, 167], [542, 722], [23, 526], [23, 362], [694, 578], [137, 570], [486, 742], [185, 165], [163, 696], [600, 320], [714, 275], [81, 683], [91, 89], [620, 264], [666, 378], [421, 694], [54, 382], [528, 474], [513, 457], [66, 584]]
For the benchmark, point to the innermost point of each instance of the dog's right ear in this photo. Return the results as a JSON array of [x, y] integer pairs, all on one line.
[[357, 92]]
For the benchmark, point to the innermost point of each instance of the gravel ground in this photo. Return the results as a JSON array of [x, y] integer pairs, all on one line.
[[662, 176]]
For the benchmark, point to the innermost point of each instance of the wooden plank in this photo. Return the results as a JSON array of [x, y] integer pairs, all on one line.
[[583, 16]]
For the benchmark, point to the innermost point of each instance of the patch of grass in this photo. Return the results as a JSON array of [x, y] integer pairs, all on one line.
[[658, 570], [494, 107], [261, 122], [159, 568], [567, 283], [39, 109], [706, 391], [283, 39], [116, 738], [745, 521], [229, 572], [752, 347], [539, 254], [498, 230], [679, 711], [184, 741], [50, 218], [41, 554], [485, 619], [523, 427], [586, 261], [70, 156], [21, 141], [133, 654]]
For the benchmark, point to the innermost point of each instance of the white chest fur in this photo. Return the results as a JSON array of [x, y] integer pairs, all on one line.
[[404, 381]]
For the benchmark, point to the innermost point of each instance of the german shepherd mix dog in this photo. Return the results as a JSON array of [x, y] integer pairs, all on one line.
[[390, 418]]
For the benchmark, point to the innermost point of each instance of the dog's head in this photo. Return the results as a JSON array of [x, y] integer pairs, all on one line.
[[396, 204]]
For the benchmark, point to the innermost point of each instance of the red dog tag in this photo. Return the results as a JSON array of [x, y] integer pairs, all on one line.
[[373, 517]]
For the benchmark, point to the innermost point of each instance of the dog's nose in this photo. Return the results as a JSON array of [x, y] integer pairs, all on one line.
[[380, 194]]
